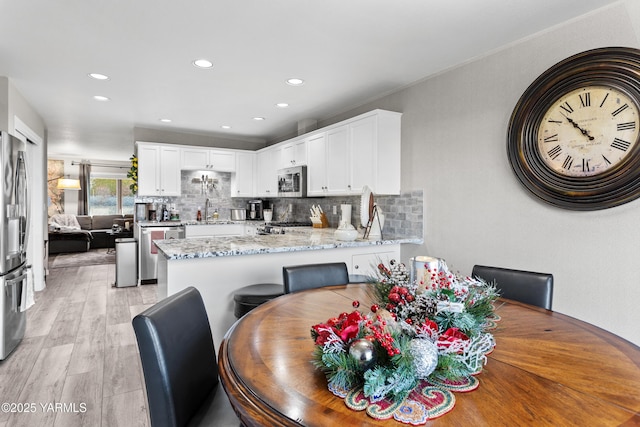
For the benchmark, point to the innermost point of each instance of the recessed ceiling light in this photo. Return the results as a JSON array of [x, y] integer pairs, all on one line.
[[295, 82], [258, 118], [203, 63], [225, 127], [100, 98], [98, 76], [282, 105], [165, 120]]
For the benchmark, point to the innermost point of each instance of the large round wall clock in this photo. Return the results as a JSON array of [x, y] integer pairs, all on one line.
[[574, 135]]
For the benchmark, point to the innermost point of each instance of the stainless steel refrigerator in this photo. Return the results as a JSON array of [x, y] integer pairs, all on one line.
[[14, 227]]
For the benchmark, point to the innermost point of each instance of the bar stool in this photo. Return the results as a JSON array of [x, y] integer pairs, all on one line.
[[249, 297]]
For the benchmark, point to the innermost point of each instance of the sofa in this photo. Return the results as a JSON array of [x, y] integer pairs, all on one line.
[[86, 232]]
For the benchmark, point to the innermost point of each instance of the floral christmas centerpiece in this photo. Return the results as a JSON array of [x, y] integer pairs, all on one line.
[[425, 336]]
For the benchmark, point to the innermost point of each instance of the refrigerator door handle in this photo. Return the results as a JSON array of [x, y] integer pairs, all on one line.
[[22, 192], [15, 294]]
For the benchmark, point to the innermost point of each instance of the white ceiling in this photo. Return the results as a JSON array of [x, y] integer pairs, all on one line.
[[348, 52]]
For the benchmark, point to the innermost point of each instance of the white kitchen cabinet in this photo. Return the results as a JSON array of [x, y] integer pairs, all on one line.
[[250, 229], [328, 172], [222, 161], [338, 162], [362, 169], [316, 165], [375, 152], [294, 153], [361, 151], [192, 158], [328, 165], [266, 172], [158, 170], [148, 165], [366, 264], [197, 158], [242, 181]]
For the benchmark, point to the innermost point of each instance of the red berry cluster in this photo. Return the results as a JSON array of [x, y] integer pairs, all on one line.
[[384, 338], [440, 280], [398, 295], [444, 280]]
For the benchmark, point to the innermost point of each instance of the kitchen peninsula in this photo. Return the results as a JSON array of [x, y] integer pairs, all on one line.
[[217, 266]]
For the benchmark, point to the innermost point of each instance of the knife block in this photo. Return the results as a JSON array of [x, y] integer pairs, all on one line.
[[324, 223]]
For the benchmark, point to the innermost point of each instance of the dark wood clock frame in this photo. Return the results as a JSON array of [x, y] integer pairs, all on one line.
[[616, 67]]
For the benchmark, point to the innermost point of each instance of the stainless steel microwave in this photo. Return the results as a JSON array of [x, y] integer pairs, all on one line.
[[292, 182]]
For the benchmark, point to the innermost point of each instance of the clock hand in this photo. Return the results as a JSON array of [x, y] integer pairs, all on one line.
[[575, 125]]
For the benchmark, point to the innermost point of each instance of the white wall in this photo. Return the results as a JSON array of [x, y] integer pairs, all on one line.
[[454, 128]]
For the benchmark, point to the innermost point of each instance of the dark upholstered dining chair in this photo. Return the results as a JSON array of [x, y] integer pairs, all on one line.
[[178, 360], [524, 286], [308, 276]]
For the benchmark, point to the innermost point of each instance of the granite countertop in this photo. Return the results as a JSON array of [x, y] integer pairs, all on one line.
[[192, 222], [300, 239]]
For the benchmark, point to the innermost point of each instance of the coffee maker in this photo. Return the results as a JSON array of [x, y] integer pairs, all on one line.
[[144, 212], [255, 209]]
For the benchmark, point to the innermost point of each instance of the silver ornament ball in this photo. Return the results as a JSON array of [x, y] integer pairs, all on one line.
[[425, 356], [363, 353]]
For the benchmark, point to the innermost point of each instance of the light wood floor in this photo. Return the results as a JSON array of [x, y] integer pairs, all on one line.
[[80, 351]]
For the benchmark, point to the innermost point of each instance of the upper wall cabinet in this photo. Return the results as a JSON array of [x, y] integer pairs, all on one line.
[[266, 177], [338, 161], [158, 169], [317, 165], [195, 158], [345, 157], [242, 182], [374, 146], [341, 159], [294, 153]]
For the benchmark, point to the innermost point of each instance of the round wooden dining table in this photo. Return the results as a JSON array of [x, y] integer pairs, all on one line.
[[546, 369]]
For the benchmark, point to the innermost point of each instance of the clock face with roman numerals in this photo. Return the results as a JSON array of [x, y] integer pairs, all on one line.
[[588, 131], [574, 135]]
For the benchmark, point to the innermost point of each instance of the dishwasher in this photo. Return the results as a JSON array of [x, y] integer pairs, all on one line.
[[148, 252]]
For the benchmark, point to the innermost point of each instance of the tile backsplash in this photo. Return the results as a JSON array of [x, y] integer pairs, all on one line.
[[403, 213], [194, 195]]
